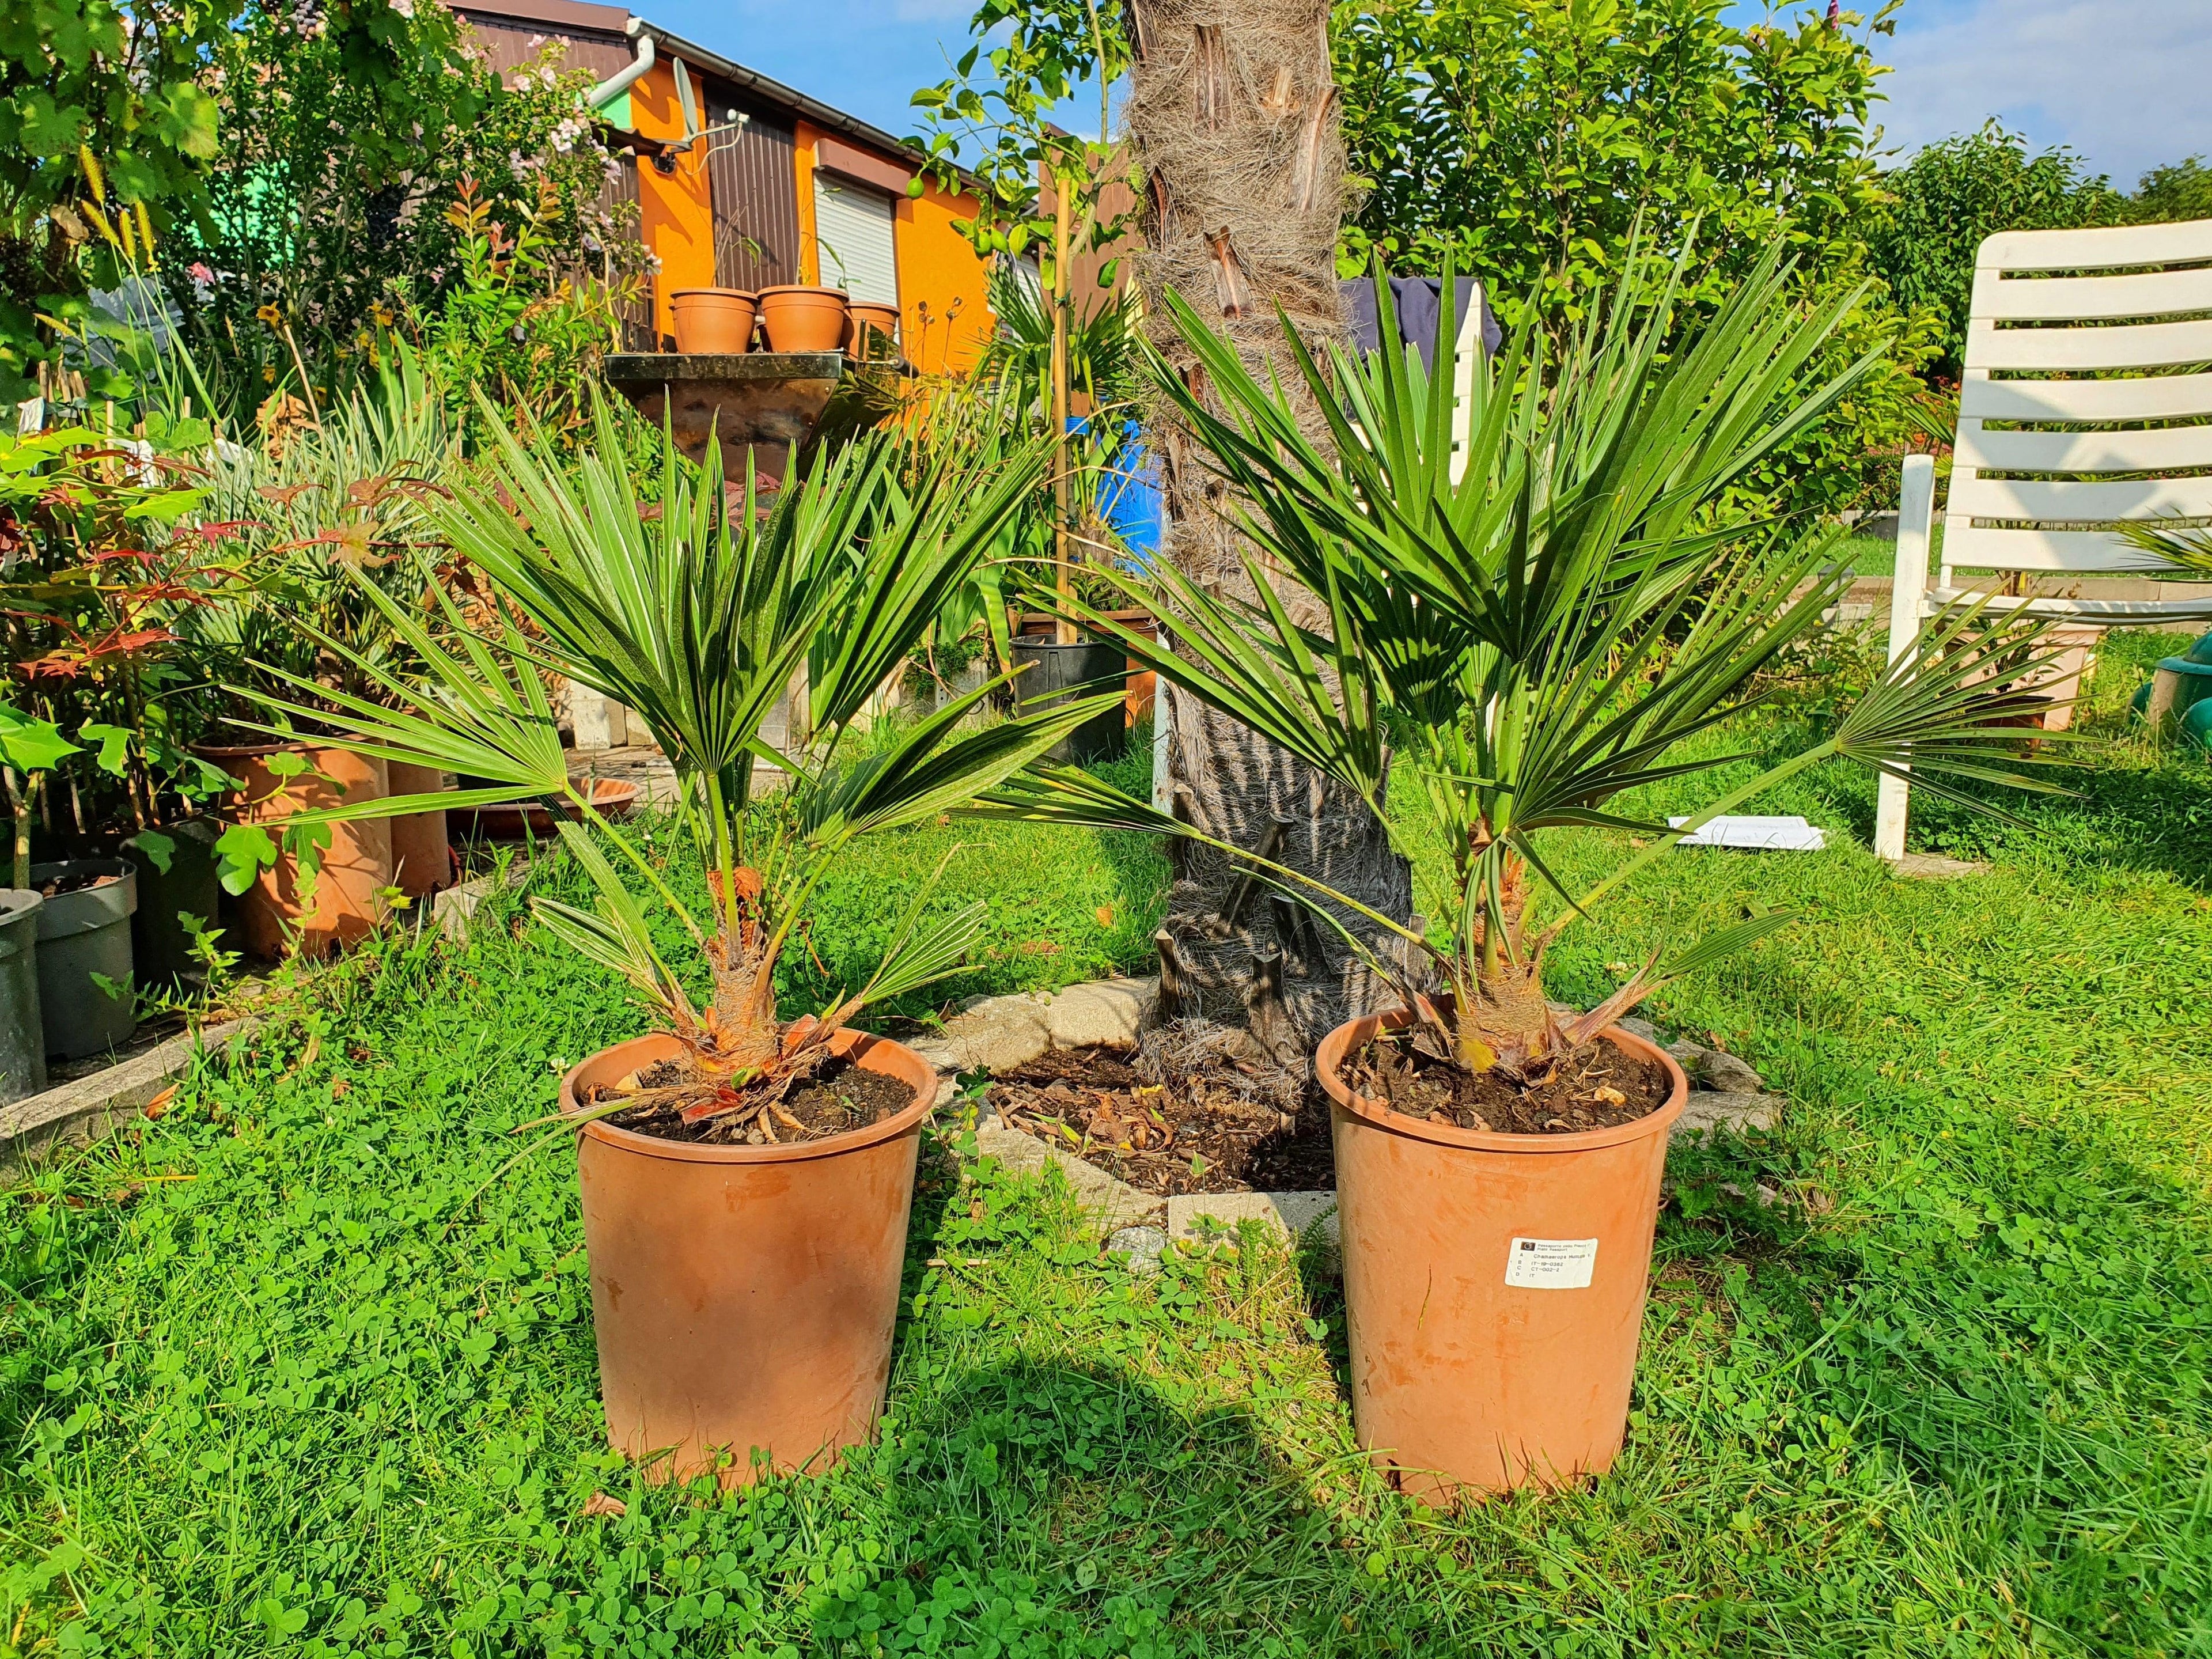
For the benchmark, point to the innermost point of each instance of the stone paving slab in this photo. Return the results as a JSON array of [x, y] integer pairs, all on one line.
[[1710, 1109], [999, 1034], [1934, 867], [1113, 1200], [1289, 1214]]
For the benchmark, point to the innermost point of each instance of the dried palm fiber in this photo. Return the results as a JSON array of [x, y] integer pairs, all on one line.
[[1232, 118]]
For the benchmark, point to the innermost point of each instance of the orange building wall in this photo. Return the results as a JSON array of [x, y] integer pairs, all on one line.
[[945, 307], [676, 216], [945, 315]]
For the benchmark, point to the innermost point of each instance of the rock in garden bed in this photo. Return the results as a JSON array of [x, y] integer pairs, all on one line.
[[1066, 1089]]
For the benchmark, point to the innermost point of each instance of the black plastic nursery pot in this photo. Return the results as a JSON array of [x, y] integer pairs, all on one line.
[[161, 943], [23, 1034], [1055, 673], [84, 936]]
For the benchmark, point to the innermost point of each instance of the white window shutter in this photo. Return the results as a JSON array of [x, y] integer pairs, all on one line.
[[852, 225]]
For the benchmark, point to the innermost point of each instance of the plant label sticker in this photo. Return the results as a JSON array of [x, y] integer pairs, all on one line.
[[1551, 1264]]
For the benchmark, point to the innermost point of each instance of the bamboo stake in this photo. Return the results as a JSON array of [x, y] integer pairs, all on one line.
[[1063, 570]]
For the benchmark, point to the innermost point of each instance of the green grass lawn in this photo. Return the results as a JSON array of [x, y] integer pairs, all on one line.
[[269, 1382]]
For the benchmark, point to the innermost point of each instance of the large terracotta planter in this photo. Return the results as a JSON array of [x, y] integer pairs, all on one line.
[[717, 321], [356, 869], [744, 1296], [1494, 1283], [421, 863], [801, 318]]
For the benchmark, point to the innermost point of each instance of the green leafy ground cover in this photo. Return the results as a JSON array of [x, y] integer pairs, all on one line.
[[270, 1383]]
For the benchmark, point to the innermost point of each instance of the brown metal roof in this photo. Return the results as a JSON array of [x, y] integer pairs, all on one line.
[[563, 15]]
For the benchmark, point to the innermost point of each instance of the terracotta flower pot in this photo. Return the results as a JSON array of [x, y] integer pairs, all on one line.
[[744, 1296], [355, 869], [800, 319], [420, 861], [712, 319], [872, 316], [1493, 1284], [611, 797]]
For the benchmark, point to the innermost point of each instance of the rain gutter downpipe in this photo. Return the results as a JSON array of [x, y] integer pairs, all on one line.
[[628, 77]]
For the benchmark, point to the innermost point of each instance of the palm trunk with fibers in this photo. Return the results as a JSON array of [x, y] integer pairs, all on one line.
[[1232, 115]]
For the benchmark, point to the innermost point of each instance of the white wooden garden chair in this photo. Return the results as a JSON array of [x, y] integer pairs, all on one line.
[[2087, 379]]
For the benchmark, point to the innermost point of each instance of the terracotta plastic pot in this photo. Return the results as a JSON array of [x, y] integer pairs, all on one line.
[[23, 1030], [355, 869], [611, 797], [744, 1296], [800, 319], [84, 938], [712, 319], [872, 317], [1493, 1284], [421, 862]]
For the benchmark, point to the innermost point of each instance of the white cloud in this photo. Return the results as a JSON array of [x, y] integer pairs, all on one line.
[[2124, 82]]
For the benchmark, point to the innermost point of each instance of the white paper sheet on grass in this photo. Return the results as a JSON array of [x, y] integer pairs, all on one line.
[[1791, 835]]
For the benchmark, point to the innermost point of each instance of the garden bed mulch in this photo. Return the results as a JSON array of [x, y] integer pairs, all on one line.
[[1194, 1137]]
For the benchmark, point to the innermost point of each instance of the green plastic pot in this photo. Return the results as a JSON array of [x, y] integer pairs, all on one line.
[[84, 936], [1058, 674], [161, 943], [23, 1034], [2197, 726]]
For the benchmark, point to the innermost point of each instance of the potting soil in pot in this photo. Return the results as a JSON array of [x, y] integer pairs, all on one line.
[[1596, 1087], [76, 878], [842, 1095], [1198, 1135]]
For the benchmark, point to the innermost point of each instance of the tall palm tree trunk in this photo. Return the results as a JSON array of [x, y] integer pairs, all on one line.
[[1233, 117]]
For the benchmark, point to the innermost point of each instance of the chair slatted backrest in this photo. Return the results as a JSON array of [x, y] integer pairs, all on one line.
[[2087, 400]]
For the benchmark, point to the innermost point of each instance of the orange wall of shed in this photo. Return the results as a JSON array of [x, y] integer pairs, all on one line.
[[805, 134], [945, 307], [675, 213]]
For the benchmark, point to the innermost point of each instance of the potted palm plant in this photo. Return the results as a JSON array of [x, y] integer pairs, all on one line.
[[746, 1178], [1536, 605]]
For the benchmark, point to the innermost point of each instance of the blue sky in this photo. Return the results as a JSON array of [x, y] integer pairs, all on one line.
[[2122, 82]]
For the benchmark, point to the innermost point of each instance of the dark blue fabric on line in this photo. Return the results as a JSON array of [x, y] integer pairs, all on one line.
[[1416, 300]]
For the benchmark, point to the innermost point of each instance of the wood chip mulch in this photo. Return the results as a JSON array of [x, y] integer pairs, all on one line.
[[1204, 1138]]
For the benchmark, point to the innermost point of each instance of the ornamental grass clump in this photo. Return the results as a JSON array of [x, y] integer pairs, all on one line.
[[700, 611], [1534, 602]]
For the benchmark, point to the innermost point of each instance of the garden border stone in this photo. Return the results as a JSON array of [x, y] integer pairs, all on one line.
[[93, 1107], [997, 1034]]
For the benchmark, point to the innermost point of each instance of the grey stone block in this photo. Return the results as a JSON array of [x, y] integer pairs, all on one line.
[[1709, 1109], [1113, 1200], [454, 910], [997, 1034], [1726, 1074], [1934, 867], [1105, 1012], [1290, 1214], [1143, 1245]]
